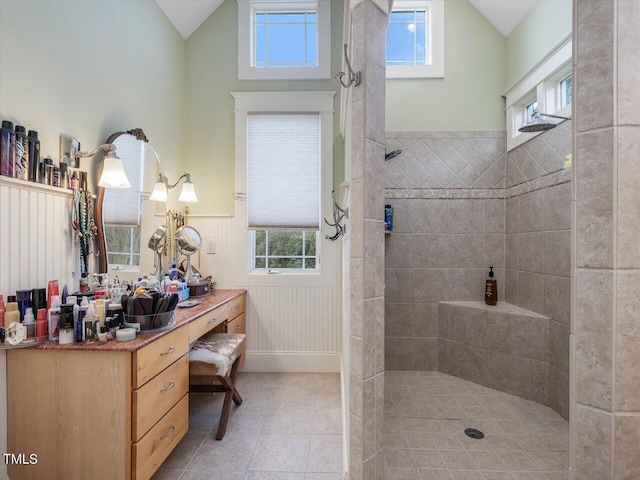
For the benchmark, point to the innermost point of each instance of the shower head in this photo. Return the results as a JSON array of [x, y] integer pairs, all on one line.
[[391, 155], [539, 124]]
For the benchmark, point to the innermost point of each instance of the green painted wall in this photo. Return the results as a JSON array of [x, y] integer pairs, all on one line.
[[212, 74], [469, 97], [541, 29], [89, 69]]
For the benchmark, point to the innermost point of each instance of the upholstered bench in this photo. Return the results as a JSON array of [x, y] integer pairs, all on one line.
[[212, 356]]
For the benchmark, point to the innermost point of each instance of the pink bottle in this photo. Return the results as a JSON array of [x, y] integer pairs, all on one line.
[[2, 310]]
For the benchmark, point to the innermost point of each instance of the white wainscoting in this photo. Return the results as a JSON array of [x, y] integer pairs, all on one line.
[[35, 247], [289, 328]]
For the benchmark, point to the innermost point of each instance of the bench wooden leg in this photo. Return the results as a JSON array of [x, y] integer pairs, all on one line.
[[231, 393]]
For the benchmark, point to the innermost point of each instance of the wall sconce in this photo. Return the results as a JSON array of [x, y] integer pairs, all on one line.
[[113, 175], [162, 186]]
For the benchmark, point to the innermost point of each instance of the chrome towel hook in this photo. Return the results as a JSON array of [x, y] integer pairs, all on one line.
[[354, 77], [339, 214]]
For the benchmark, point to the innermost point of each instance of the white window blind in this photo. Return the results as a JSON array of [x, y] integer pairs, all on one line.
[[123, 207], [283, 184]]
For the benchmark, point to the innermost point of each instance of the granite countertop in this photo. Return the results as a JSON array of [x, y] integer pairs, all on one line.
[[183, 317]]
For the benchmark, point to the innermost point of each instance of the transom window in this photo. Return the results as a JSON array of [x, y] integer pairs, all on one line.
[[415, 39], [285, 39], [285, 249], [565, 91], [407, 38]]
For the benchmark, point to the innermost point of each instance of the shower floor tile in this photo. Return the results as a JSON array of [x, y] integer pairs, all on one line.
[[426, 414]]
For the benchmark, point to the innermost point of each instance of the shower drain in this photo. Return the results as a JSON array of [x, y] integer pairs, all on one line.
[[473, 433]]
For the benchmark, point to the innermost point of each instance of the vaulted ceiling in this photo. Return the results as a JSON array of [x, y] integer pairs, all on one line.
[[188, 15]]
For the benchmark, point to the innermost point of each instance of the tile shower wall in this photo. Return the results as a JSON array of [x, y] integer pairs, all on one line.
[[538, 245], [449, 214]]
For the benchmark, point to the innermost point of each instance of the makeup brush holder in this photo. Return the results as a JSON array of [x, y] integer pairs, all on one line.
[[149, 323]]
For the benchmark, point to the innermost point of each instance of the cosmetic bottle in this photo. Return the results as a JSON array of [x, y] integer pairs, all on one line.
[[7, 149], [66, 325], [64, 176], [2, 310], [388, 218], [22, 154], [491, 289], [52, 289], [83, 181], [41, 325], [34, 155], [73, 300], [24, 302], [90, 324], [54, 317], [12, 314], [56, 176], [99, 310], [38, 299], [48, 171], [75, 182], [29, 323]]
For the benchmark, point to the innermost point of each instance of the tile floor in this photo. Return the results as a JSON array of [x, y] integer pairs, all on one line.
[[288, 428], [425, 417]]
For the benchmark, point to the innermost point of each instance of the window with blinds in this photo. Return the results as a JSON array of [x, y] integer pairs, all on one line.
[[283, 170], [283, 189]]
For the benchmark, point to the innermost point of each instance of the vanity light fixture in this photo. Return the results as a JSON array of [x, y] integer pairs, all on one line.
[[162, 186], [113, 174]]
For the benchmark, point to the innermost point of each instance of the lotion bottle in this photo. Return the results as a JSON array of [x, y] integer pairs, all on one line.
[[491, 289], [54, 316]]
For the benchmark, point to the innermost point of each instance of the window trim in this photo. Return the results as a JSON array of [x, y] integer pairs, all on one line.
[[284, 102], [246, 69], [435, 41], [541, 82]]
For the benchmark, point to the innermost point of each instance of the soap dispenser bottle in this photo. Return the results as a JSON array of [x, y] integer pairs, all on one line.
[[491, 289]]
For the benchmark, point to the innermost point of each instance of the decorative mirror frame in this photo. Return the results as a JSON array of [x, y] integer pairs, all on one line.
[[103, 260]]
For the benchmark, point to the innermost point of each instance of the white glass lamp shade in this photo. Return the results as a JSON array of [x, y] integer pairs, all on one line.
[[188, 193], [159, 193], [113, 175]]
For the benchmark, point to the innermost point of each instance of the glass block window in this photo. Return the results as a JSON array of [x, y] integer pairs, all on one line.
[[407, 38], [285, 249], [285, 39], [531, 109], [565, 91]]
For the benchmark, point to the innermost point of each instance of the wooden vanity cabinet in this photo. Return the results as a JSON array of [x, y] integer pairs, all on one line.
[[106, 412]]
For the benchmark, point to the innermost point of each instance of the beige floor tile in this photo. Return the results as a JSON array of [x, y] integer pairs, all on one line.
[[555, 443], [473, 444], [401, 474], [397, 457], [435, 474], [453, 412], [211, 475], [290, 420], [513, 427], [184, 452], [280, 453], [431, 411], [517, 461], [464, 474], [435, 425], [327, 421], [395, 440], [528, 443], [446, 441], [272, 476], [467, 401], [420, 440], [489, 401], [546, 461], [496, 475], [428, 459], [476, 413], [502, 443], [232, 453], [557, 475], [488, 461], [325, 454], [324, 476], [457, 460], [168, 474]]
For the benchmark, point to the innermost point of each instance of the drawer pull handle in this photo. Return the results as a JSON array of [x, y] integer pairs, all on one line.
[[168, 352], [170, 386], [213, 320], [169, 433]]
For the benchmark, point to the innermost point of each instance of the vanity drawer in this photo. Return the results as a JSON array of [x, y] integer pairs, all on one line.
[[158, 355], [158, 395], [236, 306], [236, 325], [207, 322], [149, 453]]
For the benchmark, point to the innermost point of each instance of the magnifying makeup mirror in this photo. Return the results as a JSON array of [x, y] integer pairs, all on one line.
[[157, 244], [189, 242]]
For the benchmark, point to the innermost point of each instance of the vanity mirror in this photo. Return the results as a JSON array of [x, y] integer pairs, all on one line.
[[119, 212]]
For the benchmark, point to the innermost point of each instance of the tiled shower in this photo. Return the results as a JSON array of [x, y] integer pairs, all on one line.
[[463, 203]]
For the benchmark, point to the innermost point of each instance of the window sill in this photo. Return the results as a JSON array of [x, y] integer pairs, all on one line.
[[321, 72], [418, 71], [285, 273]]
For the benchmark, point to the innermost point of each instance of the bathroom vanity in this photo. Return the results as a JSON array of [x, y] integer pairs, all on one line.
[[112, 411]]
